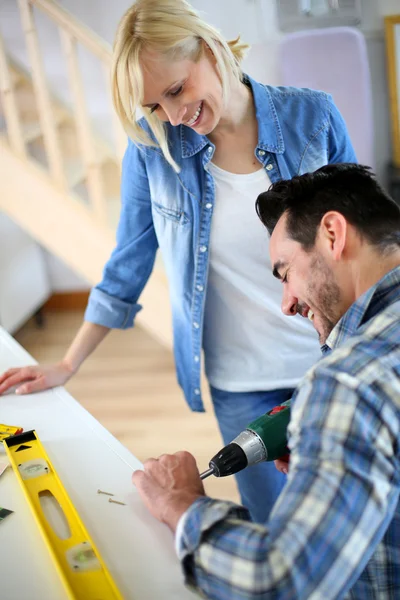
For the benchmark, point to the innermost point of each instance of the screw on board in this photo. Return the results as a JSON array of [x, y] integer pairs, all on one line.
[[116, 502], [105, 493]]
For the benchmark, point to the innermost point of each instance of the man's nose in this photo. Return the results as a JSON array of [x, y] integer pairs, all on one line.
[[175, 115], [289, 304]]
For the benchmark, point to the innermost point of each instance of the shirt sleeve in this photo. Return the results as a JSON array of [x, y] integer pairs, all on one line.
[[340, 147], [335, 508], [114, 301]]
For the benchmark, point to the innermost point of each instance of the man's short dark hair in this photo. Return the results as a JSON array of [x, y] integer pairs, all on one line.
[[349, 189]]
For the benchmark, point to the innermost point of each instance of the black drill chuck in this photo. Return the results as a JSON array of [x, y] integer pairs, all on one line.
[[228, 461]]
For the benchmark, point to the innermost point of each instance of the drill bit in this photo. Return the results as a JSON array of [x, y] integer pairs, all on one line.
[[207, 473]]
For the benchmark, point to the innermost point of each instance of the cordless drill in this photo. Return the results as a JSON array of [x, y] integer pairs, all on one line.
[[263, 440]]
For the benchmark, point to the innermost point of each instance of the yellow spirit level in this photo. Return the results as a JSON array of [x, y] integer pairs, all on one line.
[[79, 564], [7, 430]]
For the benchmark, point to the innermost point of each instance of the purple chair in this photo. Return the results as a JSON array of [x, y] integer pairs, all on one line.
[[334, 60]]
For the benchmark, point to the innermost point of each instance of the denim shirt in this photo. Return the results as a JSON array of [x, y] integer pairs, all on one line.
[[299, 130]]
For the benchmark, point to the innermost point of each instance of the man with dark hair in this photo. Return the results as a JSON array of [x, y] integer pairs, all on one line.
[[335, 530], [349, 189]]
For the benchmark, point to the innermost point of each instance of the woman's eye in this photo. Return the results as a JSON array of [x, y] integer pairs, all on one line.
[[153, 108], [177, 92]]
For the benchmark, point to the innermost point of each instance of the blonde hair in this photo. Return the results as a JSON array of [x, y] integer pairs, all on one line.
[[175, 29]]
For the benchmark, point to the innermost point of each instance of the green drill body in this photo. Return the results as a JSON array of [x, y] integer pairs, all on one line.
[[271, 428], [264, 439]]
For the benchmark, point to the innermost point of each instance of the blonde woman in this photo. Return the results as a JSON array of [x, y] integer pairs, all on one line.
[[211, 139]]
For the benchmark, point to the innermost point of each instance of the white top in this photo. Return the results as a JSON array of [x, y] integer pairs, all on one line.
[[249, 344], [138, 550]]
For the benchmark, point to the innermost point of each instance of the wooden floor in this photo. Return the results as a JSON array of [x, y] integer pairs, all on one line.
[[129, 385]]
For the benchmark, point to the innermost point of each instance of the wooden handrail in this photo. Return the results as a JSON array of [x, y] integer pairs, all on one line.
[[76, 29]]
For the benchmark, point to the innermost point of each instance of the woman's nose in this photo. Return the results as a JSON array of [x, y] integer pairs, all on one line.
[[175, 115]]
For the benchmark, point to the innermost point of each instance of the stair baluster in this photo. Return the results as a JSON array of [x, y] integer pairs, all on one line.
[[11, 116], [45, 107]]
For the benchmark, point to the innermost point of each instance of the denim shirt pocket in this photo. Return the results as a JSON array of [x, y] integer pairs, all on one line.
[[177, 216]]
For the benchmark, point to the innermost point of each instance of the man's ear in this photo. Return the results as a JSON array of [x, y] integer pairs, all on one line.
[[333, 233]]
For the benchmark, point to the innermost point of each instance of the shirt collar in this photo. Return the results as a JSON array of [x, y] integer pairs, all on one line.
[[373, 301], [270, 136]]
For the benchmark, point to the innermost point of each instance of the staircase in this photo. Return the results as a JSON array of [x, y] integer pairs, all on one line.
[[59, 167]]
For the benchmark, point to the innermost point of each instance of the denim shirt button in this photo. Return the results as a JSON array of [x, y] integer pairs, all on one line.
[[269, 167], [197, 391], [209, 150], [196, 358], [196, 325], [261, 153], [208, 205], [203, 248], [200, 288]]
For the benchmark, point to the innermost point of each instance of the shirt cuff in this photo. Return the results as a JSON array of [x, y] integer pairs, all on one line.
[[179, 531], [110, 311], [201, 516]]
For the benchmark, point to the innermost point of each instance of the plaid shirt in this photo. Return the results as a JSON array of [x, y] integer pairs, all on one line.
[[335, 529]]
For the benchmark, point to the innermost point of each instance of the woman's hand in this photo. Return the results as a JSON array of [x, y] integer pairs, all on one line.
[[282, 464], [35, 378]]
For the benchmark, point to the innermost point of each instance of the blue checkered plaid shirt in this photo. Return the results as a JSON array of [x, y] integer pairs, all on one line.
[[335, 530]]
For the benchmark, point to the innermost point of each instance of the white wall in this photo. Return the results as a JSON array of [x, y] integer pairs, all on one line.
[[389, 7], [254, 20], [230, 16]]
